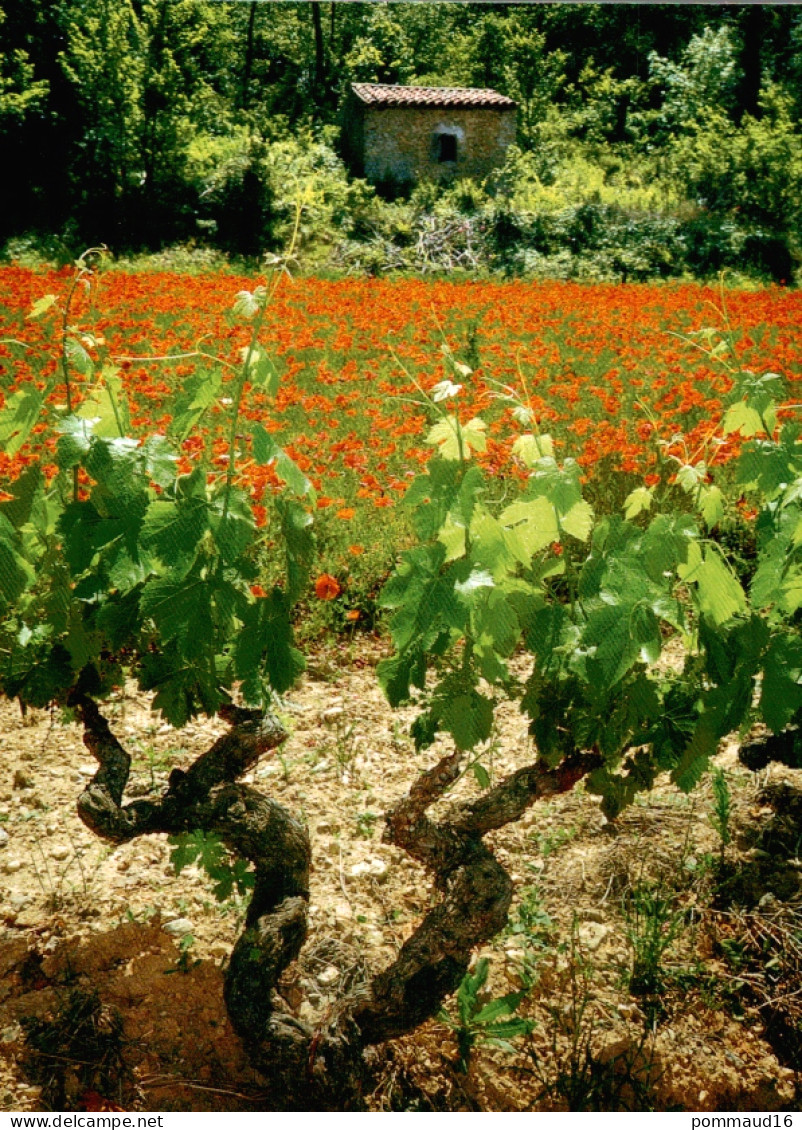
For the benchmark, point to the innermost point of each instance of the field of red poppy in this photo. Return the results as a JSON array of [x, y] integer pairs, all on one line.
[[607, 370]]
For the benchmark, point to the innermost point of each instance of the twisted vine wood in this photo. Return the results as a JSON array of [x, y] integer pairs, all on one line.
[[325, 1068]]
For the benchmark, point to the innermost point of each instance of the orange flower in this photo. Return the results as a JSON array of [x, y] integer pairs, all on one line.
[[356, 550], [346, 513], [258, 591], [327, 587], [354, 614]]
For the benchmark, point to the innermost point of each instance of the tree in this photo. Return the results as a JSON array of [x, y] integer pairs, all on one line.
[[103, 62], [703, 83], [109, 109]]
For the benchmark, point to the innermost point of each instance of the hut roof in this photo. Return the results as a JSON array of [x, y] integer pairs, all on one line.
[[374, 94]]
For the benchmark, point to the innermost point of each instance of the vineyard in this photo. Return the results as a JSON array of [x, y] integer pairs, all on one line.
[[482, 601], [604, 369]]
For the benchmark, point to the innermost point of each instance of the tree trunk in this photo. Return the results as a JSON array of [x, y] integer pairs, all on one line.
[[324, 1069]]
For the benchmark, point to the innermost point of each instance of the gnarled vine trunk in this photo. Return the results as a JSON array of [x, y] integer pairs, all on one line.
[[325, 1068]]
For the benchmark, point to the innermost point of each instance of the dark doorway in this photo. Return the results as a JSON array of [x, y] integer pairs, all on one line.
[[446, 147]]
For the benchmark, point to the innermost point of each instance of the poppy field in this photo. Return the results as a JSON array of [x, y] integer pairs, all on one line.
[[612, 373], [601, 483]]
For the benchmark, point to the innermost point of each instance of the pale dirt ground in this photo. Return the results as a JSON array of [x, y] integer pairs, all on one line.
[[101, 918]]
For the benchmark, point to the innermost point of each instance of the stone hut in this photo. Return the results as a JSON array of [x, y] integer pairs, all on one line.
[[395, 135]]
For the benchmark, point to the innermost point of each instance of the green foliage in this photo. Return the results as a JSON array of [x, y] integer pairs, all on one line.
[[593, 601], [532, 930], [753, 169], [191, 120], [480, 1021], [702, 82], [722, 807], [207, 851], [653, 925], [123, 566]]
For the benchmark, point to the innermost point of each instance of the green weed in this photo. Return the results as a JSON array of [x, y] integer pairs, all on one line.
[[722, 808], [653, 925], [477, 1021]]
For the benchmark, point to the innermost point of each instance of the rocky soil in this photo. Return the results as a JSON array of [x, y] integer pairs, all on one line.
[[663, 972]]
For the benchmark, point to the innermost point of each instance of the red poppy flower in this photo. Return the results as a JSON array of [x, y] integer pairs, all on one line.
[[327, 587]]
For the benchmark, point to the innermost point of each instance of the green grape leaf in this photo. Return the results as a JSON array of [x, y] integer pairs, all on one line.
[[182, 688], [608, 647], [770, 577], [48, 678], [74, 441], [207, 849], [530, 449], [299, 544], [118, 619], [248, 304], [494, 622], [396, 674], [578, 521], [85, 532], [769, 466], [724, 708], [743, 418], [16, 574], [453, 536], [718, 590], [77, 357], [266, 450], [106, 405], [159, 460], [637, 501], [531, 525], [41, 306], [172, 529], [468, 717], [644, 629], [691, 476], [711, 505], [232, 523], [423, 600], [237, 874], [476, 579], [262, 370], [181, 609], [200, 392], [481, 774], [21, 412], [264, 649], [494, 548], [456, 440], [544, 631], [25, 491], [781, 688]]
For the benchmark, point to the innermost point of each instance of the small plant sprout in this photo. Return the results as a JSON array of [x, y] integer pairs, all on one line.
[[722, 808], [477, 1022], [653, 925]]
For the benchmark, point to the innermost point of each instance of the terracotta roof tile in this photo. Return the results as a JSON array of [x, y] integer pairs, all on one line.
[[374, 94]]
